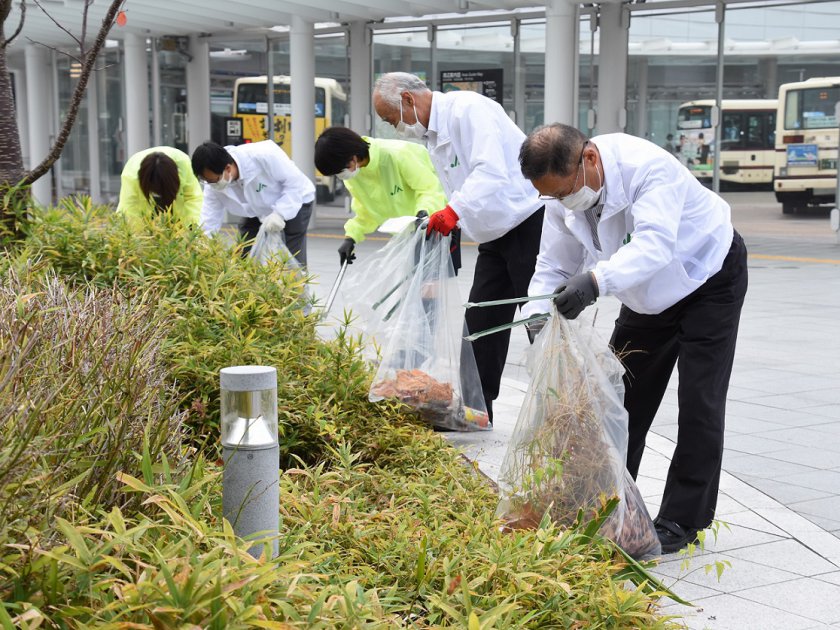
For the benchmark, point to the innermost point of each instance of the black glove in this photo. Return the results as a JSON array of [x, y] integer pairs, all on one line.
[[576, 294], [533, 329], [420, 217], [345, 252]]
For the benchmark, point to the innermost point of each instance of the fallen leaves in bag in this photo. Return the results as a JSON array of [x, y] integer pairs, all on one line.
[[414, 387], [567, 468]]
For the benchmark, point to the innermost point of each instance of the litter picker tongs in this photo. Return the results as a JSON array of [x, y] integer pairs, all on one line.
[[334, 291], [519, 322]]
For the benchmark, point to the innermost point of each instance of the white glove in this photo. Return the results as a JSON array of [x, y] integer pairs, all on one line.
[[274, 223]]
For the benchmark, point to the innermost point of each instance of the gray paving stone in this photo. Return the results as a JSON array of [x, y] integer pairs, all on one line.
[[827, 508], [753, 444], [760, 465], [730, 612], [736, 424], [812, 599], [825, 480], [786, 555], [807, 456], [785, 493]]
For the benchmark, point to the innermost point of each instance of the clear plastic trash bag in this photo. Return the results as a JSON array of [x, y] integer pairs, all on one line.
[[410, 305], [569, 447], [270, 246]]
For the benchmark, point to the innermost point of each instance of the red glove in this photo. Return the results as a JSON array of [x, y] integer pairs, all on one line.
[[443, 221]]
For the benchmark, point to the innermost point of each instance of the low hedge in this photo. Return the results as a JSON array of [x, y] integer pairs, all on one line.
[[381, 525]]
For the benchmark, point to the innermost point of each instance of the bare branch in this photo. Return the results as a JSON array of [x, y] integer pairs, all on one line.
[[78, 94], [58, 50], [56, 22], [85, 12], [8, 40]]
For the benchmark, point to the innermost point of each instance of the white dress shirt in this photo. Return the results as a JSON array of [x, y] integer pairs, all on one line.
[[662, 234], [268, 182], [474, 147]]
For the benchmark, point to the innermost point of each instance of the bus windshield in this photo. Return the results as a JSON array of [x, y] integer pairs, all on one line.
[[811, 108], [694, 117], [251, 98]]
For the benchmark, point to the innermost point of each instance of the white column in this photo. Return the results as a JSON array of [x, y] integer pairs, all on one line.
[[612, 68], [157, 123], [38, 78], [136, 82], [93, 138], [561, 23], [198, 92], [302, 63], [360, 83]]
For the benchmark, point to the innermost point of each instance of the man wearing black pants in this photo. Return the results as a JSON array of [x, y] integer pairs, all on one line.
[[627, 219], [474, 145]]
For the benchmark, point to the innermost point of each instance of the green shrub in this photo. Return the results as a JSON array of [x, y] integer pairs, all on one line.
[[221, 310], [382, 524]]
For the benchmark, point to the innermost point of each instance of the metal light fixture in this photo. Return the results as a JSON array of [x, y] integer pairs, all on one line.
[[250, 450]]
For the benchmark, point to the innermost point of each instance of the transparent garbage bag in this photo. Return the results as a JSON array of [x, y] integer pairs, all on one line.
[[270, 246], [417, 317], [569, 447], [375, 287]]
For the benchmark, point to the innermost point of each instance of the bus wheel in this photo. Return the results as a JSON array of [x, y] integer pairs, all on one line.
[[788, 208]]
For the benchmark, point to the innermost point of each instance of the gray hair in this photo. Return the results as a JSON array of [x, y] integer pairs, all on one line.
[[551, 150], [392, 84]]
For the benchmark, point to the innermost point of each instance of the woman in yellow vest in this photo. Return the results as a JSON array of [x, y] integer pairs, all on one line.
[[386, 178], [160, 179]]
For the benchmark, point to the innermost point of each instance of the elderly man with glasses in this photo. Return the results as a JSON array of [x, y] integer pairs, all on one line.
[[628, 220]]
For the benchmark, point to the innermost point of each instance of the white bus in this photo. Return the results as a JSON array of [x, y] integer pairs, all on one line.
[[747, 140], [806, 143]]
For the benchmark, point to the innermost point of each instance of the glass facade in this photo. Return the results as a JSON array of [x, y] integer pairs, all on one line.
[[672, 59]]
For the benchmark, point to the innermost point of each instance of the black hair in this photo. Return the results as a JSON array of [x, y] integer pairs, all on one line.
[[336, 147], [210, 157], [158, 179], [551, 150]]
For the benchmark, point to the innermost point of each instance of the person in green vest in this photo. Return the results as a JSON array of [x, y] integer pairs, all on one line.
[[386, 178], [160, 179]]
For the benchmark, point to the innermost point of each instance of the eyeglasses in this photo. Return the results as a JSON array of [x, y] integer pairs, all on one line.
[[574, 182]]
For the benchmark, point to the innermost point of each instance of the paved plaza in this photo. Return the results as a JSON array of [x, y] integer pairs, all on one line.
[[780, 490]]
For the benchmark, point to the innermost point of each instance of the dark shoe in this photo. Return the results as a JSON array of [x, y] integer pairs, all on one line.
[[673, 536]]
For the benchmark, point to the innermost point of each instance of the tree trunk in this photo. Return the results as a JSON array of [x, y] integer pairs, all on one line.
[[11, 160]]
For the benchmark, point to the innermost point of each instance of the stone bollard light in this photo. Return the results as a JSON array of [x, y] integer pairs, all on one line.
[[251, 479]]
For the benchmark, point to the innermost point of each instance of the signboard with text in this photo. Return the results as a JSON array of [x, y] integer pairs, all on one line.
[[486, 82]]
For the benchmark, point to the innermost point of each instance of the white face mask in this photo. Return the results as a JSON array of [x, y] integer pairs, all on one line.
[[586, 197], [224, 182], [415, 131], [346, 173]]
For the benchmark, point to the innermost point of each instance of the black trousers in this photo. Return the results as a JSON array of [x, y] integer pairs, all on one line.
[[503, 270], [294, 234], [697, 334]]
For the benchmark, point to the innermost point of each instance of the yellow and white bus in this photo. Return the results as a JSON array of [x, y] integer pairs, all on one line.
[[250, 104], [747, 140], [806, 143]]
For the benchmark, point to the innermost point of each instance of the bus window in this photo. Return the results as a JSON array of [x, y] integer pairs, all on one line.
[[811, 108], [339, 110], [252, 98], [695, 117]]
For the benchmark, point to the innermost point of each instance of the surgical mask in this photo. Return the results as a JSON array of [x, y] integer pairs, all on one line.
[[584, 198], [415, 131], [224, 182], [347, 174]]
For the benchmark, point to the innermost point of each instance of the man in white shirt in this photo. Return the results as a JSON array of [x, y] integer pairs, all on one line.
[[634, 223], [259, 182], [474, 146]]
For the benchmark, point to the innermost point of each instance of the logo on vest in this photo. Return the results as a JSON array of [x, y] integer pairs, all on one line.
[[261, 186], [396, 190], [455, 163]]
